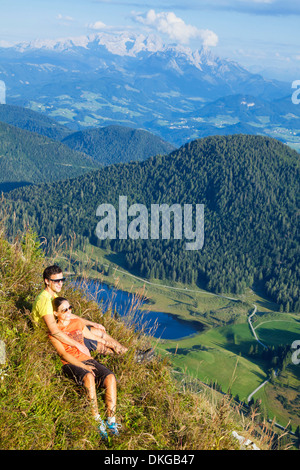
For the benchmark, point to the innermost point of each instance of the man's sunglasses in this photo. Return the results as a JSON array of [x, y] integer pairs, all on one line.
[[57, 280]]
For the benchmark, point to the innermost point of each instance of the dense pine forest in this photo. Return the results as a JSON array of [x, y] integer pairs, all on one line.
[[33, 121], [117, 144], [249, 186], [27, 157]]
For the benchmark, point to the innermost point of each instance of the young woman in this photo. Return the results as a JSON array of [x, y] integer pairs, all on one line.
[[83, 369]]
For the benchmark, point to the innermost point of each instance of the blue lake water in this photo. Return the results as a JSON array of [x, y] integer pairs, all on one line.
[[158, 324]]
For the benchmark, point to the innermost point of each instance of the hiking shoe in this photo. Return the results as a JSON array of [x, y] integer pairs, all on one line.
[[113, 428], [144, 356], [102, 429]]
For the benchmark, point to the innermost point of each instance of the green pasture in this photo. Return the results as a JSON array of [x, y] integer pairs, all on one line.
[[219, 355], [278, 329], [281, 397]]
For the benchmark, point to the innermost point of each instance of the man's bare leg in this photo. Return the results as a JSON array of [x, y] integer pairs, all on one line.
[[106, 340]]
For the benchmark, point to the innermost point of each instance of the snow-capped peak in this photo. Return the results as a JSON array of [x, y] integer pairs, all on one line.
[[123, 44]]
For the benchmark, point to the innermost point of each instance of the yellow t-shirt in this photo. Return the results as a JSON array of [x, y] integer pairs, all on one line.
[[42, 306]]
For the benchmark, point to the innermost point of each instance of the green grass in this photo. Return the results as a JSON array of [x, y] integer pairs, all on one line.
[[218, 355], [279, 329], [280, 398]]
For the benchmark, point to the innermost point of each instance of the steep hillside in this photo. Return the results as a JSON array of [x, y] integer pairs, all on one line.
[[26, 157], [249, 186], [33, 121], [115, 144]]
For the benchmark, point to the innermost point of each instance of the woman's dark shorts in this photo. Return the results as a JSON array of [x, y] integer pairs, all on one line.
[[77, 373]]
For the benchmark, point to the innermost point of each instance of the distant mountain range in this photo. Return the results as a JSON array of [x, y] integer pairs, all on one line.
[[37, 149], [139, 82]]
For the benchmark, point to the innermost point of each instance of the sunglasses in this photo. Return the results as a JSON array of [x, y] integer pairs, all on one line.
[[66, 309], [57, 280]]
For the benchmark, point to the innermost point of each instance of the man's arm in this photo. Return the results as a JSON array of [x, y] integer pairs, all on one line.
[[89, 322], [90, 335], [61, 336]]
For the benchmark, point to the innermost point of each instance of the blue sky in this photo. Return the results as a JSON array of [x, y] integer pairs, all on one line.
[[259, 34]]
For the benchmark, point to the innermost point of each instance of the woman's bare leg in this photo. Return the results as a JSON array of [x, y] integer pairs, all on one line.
[[110, 385], [89, 383]]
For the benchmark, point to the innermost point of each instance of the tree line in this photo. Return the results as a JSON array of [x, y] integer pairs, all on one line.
[[249, 186]]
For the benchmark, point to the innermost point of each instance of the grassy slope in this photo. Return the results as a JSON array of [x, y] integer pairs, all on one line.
[[47, 412]]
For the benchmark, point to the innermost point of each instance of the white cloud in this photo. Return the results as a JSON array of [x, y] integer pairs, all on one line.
[[64, 18], [174, 27], [98, 25]]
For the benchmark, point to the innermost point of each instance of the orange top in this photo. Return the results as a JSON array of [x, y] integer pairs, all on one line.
[[74, 330]]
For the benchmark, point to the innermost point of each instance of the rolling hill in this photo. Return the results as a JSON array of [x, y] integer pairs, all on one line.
[[249, 186], [33, 121], [30, 158], [31, 151], [117, 144]]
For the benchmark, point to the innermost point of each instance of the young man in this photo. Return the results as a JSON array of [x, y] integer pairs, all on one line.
[[83, 369]]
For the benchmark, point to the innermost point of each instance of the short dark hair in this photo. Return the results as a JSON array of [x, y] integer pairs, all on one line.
[[57, 302], [55, 269]]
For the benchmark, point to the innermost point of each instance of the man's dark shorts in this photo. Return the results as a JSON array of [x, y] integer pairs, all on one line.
[[77, 373], [90, 343]]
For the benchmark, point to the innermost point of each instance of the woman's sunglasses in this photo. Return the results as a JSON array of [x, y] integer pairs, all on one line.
[[66, 309]]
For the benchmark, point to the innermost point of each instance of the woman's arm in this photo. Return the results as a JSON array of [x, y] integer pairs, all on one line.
[[67, 357], [61, 336]]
